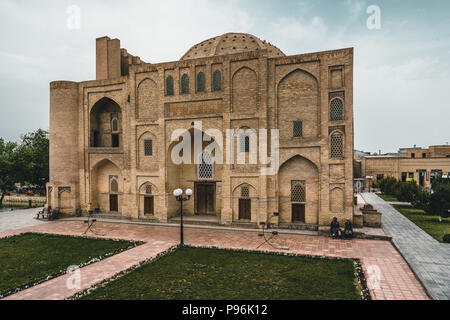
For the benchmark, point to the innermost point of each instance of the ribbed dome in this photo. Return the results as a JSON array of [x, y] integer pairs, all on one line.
[[230, 43]]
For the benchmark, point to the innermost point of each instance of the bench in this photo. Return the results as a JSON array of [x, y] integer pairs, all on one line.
[[43, 214]]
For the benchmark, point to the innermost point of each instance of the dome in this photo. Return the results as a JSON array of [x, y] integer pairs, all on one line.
[[230, 43]]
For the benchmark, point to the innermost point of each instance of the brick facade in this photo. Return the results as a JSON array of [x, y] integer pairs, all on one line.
[[258, 87]]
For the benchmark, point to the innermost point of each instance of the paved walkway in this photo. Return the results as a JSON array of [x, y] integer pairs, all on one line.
[[429, 258], [17, 219], [387, 270]]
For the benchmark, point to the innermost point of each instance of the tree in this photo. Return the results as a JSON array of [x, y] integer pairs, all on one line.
[[33, 159], [388, 185], [407, 191], [440, 200], [8, 154]]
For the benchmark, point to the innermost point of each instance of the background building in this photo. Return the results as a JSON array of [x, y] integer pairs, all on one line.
[[415, 163], [110, 139]]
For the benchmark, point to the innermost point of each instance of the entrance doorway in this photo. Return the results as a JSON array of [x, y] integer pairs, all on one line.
[[113, 203], [298, 213], [205, 199], [148, 205], [245, 209]]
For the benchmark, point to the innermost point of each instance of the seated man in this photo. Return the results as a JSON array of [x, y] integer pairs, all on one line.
[[348, 229], [335, 229]]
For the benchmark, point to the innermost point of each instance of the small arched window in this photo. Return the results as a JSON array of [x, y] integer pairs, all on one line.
[[217, 80], [298, 191], [169, 86], [205, 166], [201, 82], [336, 110], [114, 186], [185, 83], [336, 146], [245, 192], [244, 143], [114, 122]]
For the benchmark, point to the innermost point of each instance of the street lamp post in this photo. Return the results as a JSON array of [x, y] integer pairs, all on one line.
[[178, 193]]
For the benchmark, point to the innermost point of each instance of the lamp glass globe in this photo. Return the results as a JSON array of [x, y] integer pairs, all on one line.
[[189, 192]]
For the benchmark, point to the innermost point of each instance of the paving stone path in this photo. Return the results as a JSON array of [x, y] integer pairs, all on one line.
[[429, 259], [17, 219], [394, 280]]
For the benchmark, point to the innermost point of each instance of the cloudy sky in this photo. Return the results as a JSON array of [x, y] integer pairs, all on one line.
[[402, 72]]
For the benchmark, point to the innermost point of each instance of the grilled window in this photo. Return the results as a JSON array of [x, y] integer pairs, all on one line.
[[201, 82], [337, 146], [245, 192], [244, 142], [298, 129], [205, 167], [217, 80], [169, 86], [298, 191], [185, 83], [148, 147], [148, 189], [114, 185], [336, 110]]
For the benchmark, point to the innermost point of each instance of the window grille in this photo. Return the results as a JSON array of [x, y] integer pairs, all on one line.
[[114, 185], [185, 83], [115, 125], [245, 192], [148, 189], [336, 110], [244, 142], [169, 86], [148, 147], [201, 82], [217, 80], [205, 166], [298, 129], [298, 191], [337, 146]]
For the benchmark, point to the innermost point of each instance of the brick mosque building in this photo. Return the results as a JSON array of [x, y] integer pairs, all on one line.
[[110, 138]]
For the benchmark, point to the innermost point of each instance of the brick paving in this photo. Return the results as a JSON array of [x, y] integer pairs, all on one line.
[[429, 258], [378, 257]]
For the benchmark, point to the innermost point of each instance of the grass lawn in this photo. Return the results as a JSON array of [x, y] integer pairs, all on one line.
[[216, 274], [387, 197], [428, 223], [29, 258]]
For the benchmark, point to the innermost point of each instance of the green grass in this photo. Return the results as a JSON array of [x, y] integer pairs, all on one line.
[[29, 258], [428, 223], [215, 274], [388, 198]]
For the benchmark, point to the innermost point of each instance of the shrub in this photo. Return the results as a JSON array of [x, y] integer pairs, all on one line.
[[422, 200], [447, 238], [407, 191], [440, 200], [388, 185]]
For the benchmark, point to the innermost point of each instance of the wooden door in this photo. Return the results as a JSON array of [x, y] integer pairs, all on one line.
[[113, 203], [148, 205], [245, 209], [205, 197], [298, 212]]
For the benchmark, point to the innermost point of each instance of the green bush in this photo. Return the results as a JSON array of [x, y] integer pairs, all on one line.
[[422, 200], [388, 185], [440, 200], [447, 238], [407, 191]]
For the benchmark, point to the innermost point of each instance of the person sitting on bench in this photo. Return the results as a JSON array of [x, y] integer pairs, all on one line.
[[335, 229], [348, 229]]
